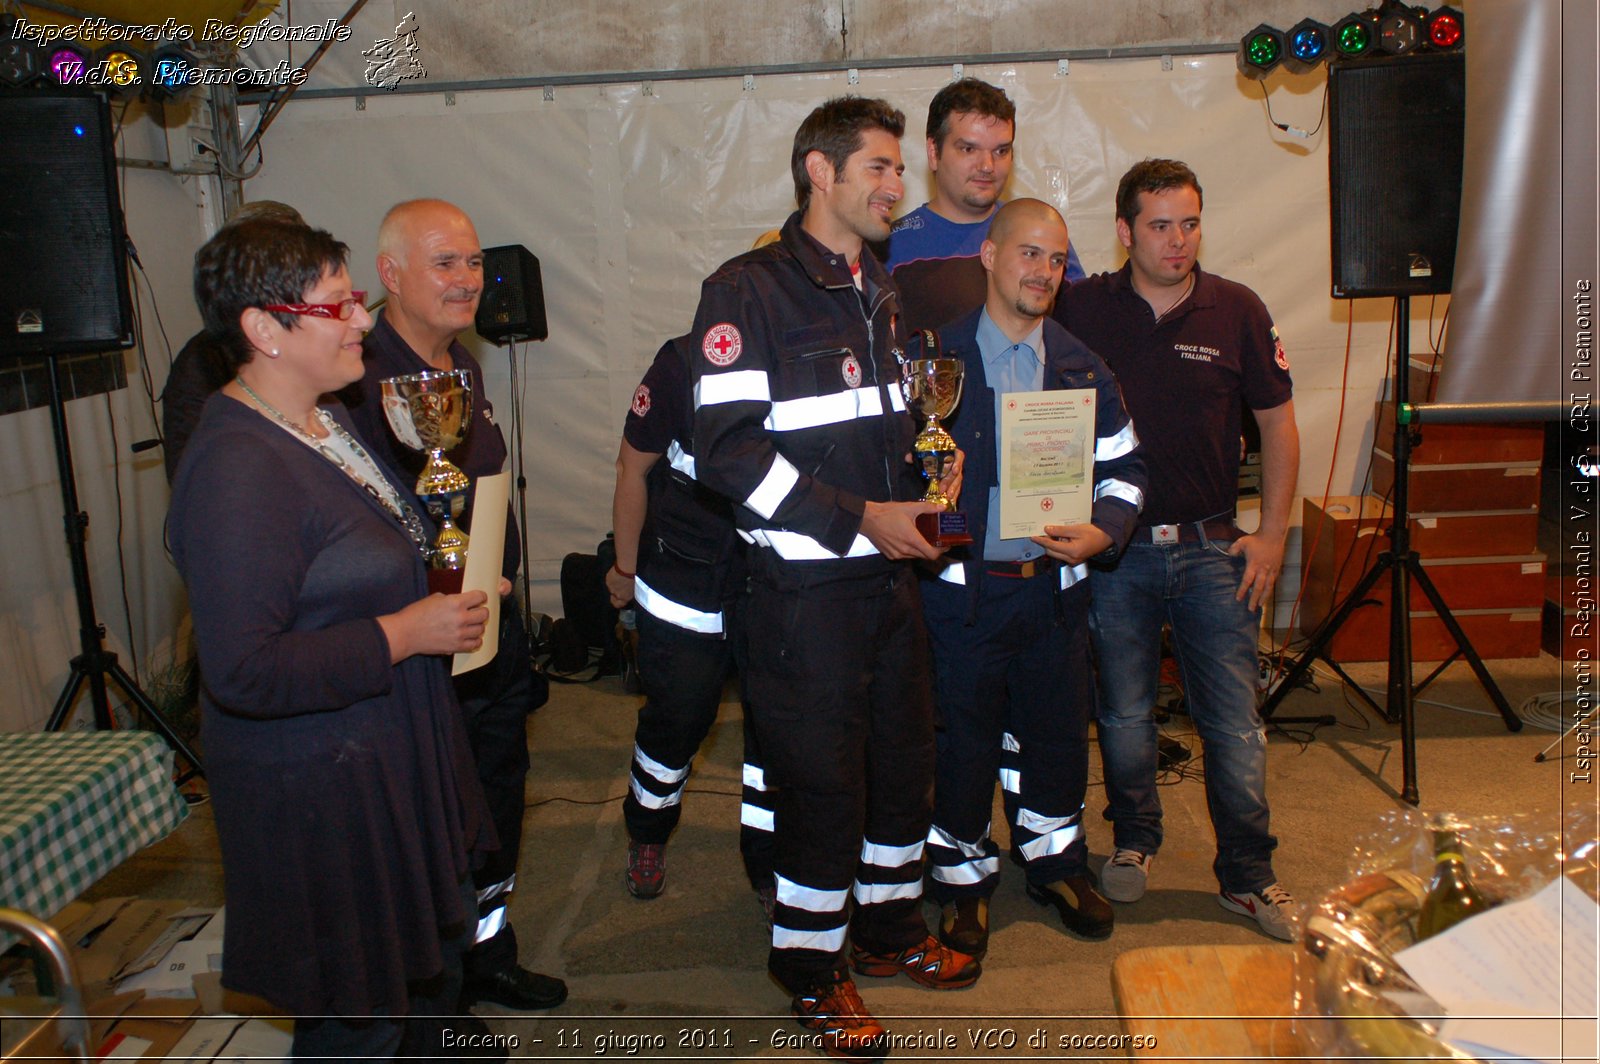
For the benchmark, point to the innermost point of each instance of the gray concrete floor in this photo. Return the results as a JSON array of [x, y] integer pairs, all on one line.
[[690, 965]]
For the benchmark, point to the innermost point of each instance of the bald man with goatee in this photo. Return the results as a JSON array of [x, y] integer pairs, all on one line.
[[1009, 623], [431, 264]]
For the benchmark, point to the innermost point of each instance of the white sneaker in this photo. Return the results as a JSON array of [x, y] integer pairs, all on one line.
[[1124, 876], [1273, 908]]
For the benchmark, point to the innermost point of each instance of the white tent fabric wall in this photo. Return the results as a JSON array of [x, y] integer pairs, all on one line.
[[630, 194]]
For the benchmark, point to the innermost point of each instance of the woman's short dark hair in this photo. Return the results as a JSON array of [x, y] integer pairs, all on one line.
[[1153, 176], [255, 263], [835, 129]]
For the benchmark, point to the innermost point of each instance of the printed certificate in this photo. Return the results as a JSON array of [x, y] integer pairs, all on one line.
[[1046, 460]]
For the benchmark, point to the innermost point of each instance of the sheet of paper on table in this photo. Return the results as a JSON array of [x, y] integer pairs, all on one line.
[[1518, 980], [485, 552]]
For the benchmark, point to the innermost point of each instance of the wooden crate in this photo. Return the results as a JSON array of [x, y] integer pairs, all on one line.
[[1461, 486], [1364, 519], [1452, 444], [1495, 597], [1493, 633]]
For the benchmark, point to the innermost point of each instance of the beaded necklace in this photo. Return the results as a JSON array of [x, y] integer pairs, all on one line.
[[363, 470]]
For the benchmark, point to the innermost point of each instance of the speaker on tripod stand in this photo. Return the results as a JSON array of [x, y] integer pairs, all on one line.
[[1396, 129], [64, 290]]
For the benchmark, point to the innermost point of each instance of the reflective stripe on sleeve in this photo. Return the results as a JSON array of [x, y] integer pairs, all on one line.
[[1108, 447], [1120, 489], [774, 487], [680, 459], [745, 385], [790, 415], [798, 547]]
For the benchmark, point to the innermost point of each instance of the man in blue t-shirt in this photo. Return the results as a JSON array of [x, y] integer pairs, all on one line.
[[933, 251]]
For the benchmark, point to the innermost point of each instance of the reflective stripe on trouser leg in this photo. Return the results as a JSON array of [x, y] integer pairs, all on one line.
[[1010, 778], [1040, 836], [888, 873], [808, 918], [755, 810], [654, 785], [492, 902], [957, 863]]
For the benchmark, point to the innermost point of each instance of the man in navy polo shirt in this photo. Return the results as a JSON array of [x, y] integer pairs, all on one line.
[[1190, 350]]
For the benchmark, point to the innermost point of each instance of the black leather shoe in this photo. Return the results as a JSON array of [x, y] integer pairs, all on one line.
[[964, 926], [1082, 908], [516, 988]]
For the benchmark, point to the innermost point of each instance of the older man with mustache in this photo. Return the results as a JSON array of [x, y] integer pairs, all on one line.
[[431, 265]]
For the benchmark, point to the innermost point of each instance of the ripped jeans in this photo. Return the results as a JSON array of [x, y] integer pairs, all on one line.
[[1190, 586]]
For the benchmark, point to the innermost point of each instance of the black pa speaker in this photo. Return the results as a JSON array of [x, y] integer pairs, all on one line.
[[63, 278], [1395, 130], [512, 307]]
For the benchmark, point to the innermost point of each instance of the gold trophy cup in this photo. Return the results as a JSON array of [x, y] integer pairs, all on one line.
[[932, 389], [430, 412]]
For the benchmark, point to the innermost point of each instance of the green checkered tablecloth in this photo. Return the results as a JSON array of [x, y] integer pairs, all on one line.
[[74, 805]]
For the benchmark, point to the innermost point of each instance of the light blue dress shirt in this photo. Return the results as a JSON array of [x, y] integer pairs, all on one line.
[[1010, 368]]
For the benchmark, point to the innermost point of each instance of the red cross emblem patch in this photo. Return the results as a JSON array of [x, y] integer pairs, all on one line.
[[1278, 354], [722, 344], [641, 400], [851, 371]]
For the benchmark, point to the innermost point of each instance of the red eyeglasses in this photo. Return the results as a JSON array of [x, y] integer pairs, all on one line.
[[343, 310]]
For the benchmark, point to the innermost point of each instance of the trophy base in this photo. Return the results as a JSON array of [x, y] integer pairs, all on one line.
[[945, 529], [445, 581]]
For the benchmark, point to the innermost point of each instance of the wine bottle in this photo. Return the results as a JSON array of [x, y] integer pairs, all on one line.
[[1451, 896]]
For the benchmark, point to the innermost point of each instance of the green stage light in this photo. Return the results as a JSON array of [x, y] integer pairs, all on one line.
[[1260, 51], [1356, 35]]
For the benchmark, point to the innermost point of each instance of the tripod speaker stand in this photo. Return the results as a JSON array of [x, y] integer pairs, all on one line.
[[94, 664], [1403, 565]]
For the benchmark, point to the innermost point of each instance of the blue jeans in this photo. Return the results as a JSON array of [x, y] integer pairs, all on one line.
[[1190, 586]]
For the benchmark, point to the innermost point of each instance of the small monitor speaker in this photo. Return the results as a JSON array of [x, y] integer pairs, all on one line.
[[512, 305]]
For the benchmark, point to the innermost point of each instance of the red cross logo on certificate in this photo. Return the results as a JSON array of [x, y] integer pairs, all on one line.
[[1047, 504], [722, 344]]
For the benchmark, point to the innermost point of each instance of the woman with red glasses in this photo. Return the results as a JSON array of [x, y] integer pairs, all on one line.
[[346, 803]]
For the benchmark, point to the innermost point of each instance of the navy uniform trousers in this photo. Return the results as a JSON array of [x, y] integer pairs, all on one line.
[[1015, 694], [843, 707]]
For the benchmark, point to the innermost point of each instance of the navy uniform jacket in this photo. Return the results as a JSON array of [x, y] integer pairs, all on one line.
[[1119, 469], [798, 414]]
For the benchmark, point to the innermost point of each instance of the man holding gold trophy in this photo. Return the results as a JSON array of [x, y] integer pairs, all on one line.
[[431, 265], [1048, 443], [800, 423]]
